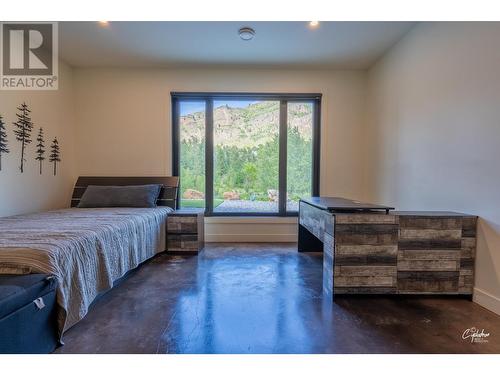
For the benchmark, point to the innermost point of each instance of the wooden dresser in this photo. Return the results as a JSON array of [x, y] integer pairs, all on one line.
[[185, 231], [368, 252]]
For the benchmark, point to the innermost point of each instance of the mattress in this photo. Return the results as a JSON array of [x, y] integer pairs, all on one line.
[[86, 249]]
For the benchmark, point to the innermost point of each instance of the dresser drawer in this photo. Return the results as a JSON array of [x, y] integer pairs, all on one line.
[[182, 224], [183, 243]]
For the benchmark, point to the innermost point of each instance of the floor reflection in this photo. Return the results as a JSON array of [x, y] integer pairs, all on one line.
[[244, 303], [265, 298]]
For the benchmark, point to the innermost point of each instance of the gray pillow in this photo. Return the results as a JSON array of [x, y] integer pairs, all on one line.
[[120, 196]]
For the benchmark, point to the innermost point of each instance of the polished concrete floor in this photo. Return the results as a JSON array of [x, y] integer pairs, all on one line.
[[266, 298]]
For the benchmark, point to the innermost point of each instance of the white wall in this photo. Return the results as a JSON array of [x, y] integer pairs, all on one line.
[[434, 132], [54, 112], [124, 128]]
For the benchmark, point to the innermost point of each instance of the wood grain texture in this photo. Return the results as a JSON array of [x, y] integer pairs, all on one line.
[[432, 234], [365, 290], [467, 256], [469, 225], [465, 281], [365, 260], [428, 265], [328, 264], [183, 242], [428, 253], [430, 222], [365, 281], [366, 219], [380, 239], [315, 220], [365, 271], [185, 232], [184, 225], [429, 243], [357, 250], [427, 282], [365, 252], [365, 229]]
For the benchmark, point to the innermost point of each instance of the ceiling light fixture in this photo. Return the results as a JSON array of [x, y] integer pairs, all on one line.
[[314, 24], [104, 23], [246, 33]]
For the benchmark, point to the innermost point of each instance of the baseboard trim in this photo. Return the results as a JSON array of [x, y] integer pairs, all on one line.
[[486, 300], [250, 238], [275, 220]]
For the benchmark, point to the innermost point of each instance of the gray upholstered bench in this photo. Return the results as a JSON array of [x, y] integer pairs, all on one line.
[[27, 313]]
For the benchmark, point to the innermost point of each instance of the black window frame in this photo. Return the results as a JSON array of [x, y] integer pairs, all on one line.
[[284, 99]]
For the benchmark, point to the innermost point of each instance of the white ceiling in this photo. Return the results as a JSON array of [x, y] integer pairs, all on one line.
[[346, 45]]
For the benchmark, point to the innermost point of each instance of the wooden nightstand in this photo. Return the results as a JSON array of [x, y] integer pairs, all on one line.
[[185, 231]]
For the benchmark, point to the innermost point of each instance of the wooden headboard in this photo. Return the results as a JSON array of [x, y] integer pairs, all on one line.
[[168, 193]]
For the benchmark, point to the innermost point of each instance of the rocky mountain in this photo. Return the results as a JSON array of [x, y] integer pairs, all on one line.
[[247, 127]]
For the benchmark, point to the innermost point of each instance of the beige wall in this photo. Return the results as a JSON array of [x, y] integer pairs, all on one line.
[[54, 111], [124, 127], [434, 132]]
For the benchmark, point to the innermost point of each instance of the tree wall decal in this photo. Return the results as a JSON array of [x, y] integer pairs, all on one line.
[[3, 140], [40, 148], [24, 126], [55, 154]]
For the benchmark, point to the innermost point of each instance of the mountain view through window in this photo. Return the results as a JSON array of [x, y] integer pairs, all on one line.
[[246, 154]]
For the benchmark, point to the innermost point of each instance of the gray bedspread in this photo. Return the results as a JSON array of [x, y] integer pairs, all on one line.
[[87, 249]]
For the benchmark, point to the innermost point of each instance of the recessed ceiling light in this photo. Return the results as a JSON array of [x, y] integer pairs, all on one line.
[[314, 24], [246, 33]]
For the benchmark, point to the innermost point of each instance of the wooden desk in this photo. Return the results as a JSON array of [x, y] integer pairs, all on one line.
[[371, 252]]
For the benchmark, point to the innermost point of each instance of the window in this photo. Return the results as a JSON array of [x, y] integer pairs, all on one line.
[[192, 153], [246, 154], [299, 162]]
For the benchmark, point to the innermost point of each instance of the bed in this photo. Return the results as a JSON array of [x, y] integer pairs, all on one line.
[[87, 249]]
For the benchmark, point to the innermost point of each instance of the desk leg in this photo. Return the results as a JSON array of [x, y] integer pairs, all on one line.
[[307, 241]]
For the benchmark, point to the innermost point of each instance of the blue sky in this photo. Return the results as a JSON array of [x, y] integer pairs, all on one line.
[[192, 107]]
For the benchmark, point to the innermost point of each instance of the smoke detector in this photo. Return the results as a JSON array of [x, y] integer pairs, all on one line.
[[246, 33]]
